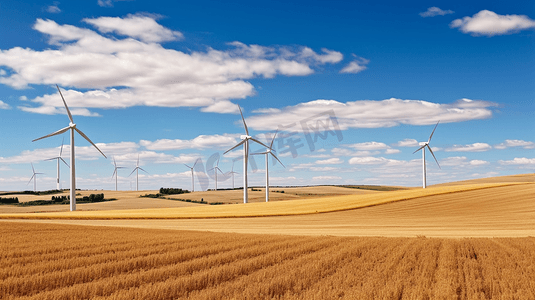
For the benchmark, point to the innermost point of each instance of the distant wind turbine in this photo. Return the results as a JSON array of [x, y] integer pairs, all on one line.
[[267, 152], [136, 169], [34, 177], [232, 174], [245, 141], [59, 158], [423, 145], [115, 173], [192, 178], [73, 128], [216, 168]]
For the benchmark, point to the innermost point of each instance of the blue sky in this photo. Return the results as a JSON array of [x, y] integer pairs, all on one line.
[[162, 80]]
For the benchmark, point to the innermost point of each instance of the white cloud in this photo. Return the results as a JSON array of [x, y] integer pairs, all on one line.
[[515, 143], [108, 3], [54, 9], [369, 146], [4, 105], [477, 162], [373, 114], [435, 11], [201, 142], [326, 178], [407, 143], [368, 160], [137, 70], [455, 161], [475, 147], [489, 23], [518, 161], [348, 152], [144, 28], [356, 66], [392, 151], [330, 161]]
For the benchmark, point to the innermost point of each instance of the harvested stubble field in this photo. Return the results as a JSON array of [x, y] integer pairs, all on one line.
[[46, 261]]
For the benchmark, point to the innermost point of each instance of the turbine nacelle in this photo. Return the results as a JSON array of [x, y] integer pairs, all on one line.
[[72, 125], [245, 137], [423, 143]]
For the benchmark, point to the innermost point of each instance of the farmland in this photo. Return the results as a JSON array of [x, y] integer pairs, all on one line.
[[47, 261], [467, 240]]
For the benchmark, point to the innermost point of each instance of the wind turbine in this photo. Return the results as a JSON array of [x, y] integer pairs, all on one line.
[[192, 178], [59, 158], [115, 173], [423, 145], [245, 141], [73, 128], [232, 174], [34, 177], [216, 168], [136, 169], [267, 152]]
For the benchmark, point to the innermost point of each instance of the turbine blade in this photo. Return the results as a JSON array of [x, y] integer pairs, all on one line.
[[143, 170], [64, 162], [114, 163], [433, 156], [61, 149], [52, 134], [114, 170], [196, 161], [189, 166], [50, 158], [271, 145], [33, 168], [30, 179], [132, 172], [244, 125], [66, 107], [137, 165], [258, 153], [85, 137], [419, 149], [259, 142], [277, 159], [237, 145], [433, 132]]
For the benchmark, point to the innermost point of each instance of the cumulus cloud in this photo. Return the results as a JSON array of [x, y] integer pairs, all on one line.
[[200, 142], [143, 28], [372, 113], [515, 143], [475, 147], [518, 161], [435, 11], [477, 162], [368, 160], [369, 146], [488, 23], [122, 64], [392, 151], [330, 161], [108, 3], [356, 66], [4, 105], [407, 143]]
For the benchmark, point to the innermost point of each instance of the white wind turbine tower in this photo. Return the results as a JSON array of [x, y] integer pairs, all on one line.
[[245, 141], [267, 153], [423, 145], [34, 177], [115, 173], [73, 128], [192, 178], [59, 158], [136, 169], [216, 168]]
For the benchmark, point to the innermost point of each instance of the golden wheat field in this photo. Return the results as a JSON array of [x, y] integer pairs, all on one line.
[[46, 261], [465, 240]]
